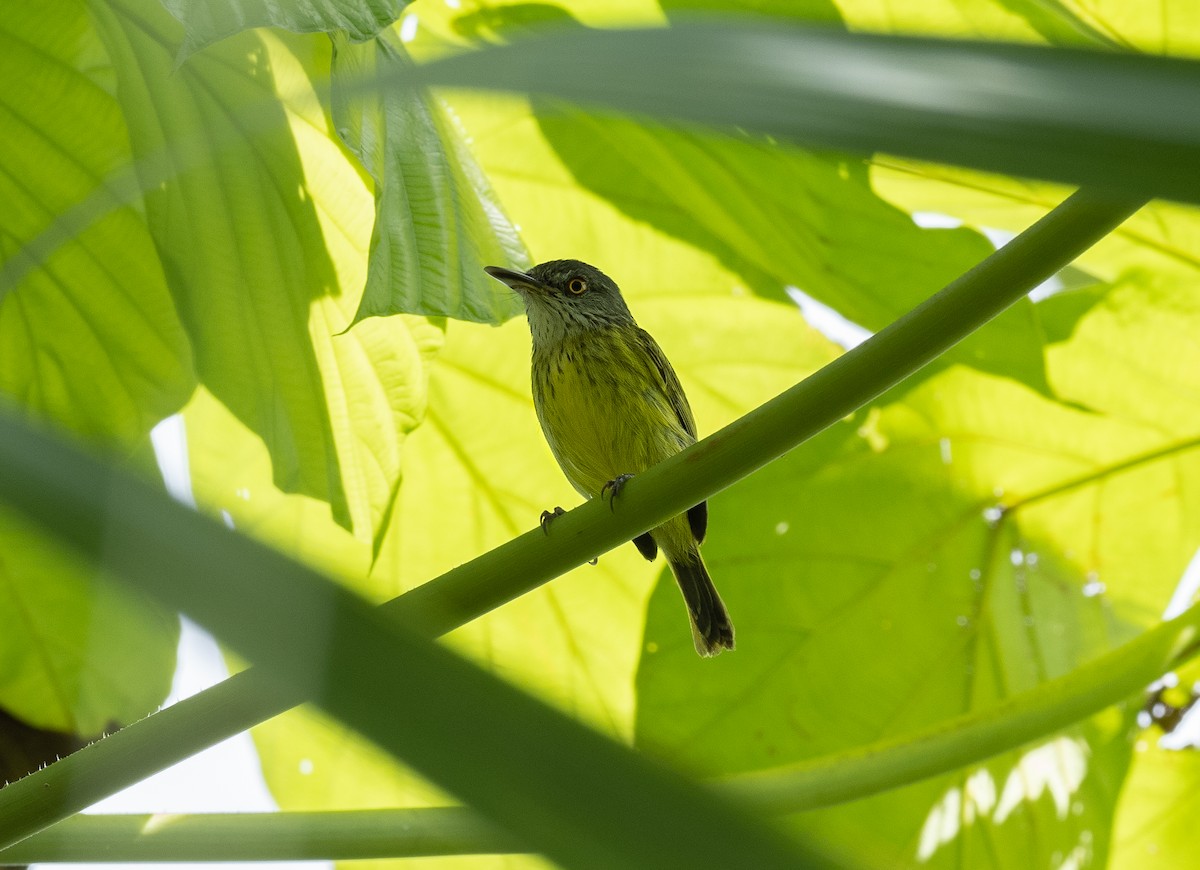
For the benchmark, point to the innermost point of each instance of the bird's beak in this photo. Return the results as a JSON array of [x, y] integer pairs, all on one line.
[[518, 281]]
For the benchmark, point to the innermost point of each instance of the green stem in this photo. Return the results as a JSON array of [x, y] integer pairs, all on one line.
[[460, 595], [341, 836], [842, 776]]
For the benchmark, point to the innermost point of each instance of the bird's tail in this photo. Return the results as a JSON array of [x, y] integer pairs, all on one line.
[[711, 629]]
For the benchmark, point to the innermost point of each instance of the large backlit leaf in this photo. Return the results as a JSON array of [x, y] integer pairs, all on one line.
[[374, 375], [946, 553], [437, 221], [88, 334], [206, 21], [229, 206], [1135, 356], [89, 340], [1162, 236], [956, 548]]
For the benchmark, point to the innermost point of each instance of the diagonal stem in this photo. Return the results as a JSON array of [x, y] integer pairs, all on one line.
[[466, 592]]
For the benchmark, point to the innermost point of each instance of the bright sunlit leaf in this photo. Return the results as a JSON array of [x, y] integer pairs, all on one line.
[[233, 219], [437, 221]]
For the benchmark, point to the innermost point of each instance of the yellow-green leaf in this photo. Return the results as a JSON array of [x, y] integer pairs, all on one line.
[[437, 222]]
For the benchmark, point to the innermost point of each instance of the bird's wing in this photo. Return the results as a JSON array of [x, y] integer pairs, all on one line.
[[673, 390], [670, 382]]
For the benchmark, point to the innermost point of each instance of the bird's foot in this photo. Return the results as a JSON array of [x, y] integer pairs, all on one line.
[[614, 487], [548, 517]]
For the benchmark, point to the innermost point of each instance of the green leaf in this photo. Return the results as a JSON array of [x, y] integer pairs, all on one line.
[[207, 21], [934, 557], [79, 652], [1134, 356], [437, 221], [1156, 826], [227, 170], [1068, 115], [89, 337], [1155, 818]]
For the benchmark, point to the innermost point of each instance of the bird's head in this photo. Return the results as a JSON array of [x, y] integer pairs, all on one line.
[[564, 297]]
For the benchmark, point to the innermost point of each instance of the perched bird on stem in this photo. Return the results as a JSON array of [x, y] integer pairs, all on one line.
[[611, 406]]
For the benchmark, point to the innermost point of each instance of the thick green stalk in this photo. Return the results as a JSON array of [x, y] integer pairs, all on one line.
[[343, 836], [500, 575], [1078, 117], [818, 782]]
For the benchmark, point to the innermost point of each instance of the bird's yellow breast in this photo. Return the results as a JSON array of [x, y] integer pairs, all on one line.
[[603, 407]]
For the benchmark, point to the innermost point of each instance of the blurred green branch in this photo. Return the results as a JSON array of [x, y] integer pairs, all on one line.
[[819, 782], [1064, 114]]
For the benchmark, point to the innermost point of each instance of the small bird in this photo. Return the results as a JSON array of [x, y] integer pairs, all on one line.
[[611, 406]]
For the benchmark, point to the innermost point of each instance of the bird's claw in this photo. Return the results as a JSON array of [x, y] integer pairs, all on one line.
[[548, 517], [614, 487]]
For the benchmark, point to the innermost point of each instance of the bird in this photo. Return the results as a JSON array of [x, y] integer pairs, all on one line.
[[611, 406]]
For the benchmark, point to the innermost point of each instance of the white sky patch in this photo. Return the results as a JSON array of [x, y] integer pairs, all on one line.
[[827, 321], [1057, 767], [932, 220], [169, 439], [408, 28]]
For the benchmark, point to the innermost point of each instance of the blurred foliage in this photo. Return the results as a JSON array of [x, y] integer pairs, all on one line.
[[201, 217]]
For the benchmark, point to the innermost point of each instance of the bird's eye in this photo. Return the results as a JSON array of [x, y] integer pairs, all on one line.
[[577, 286]]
